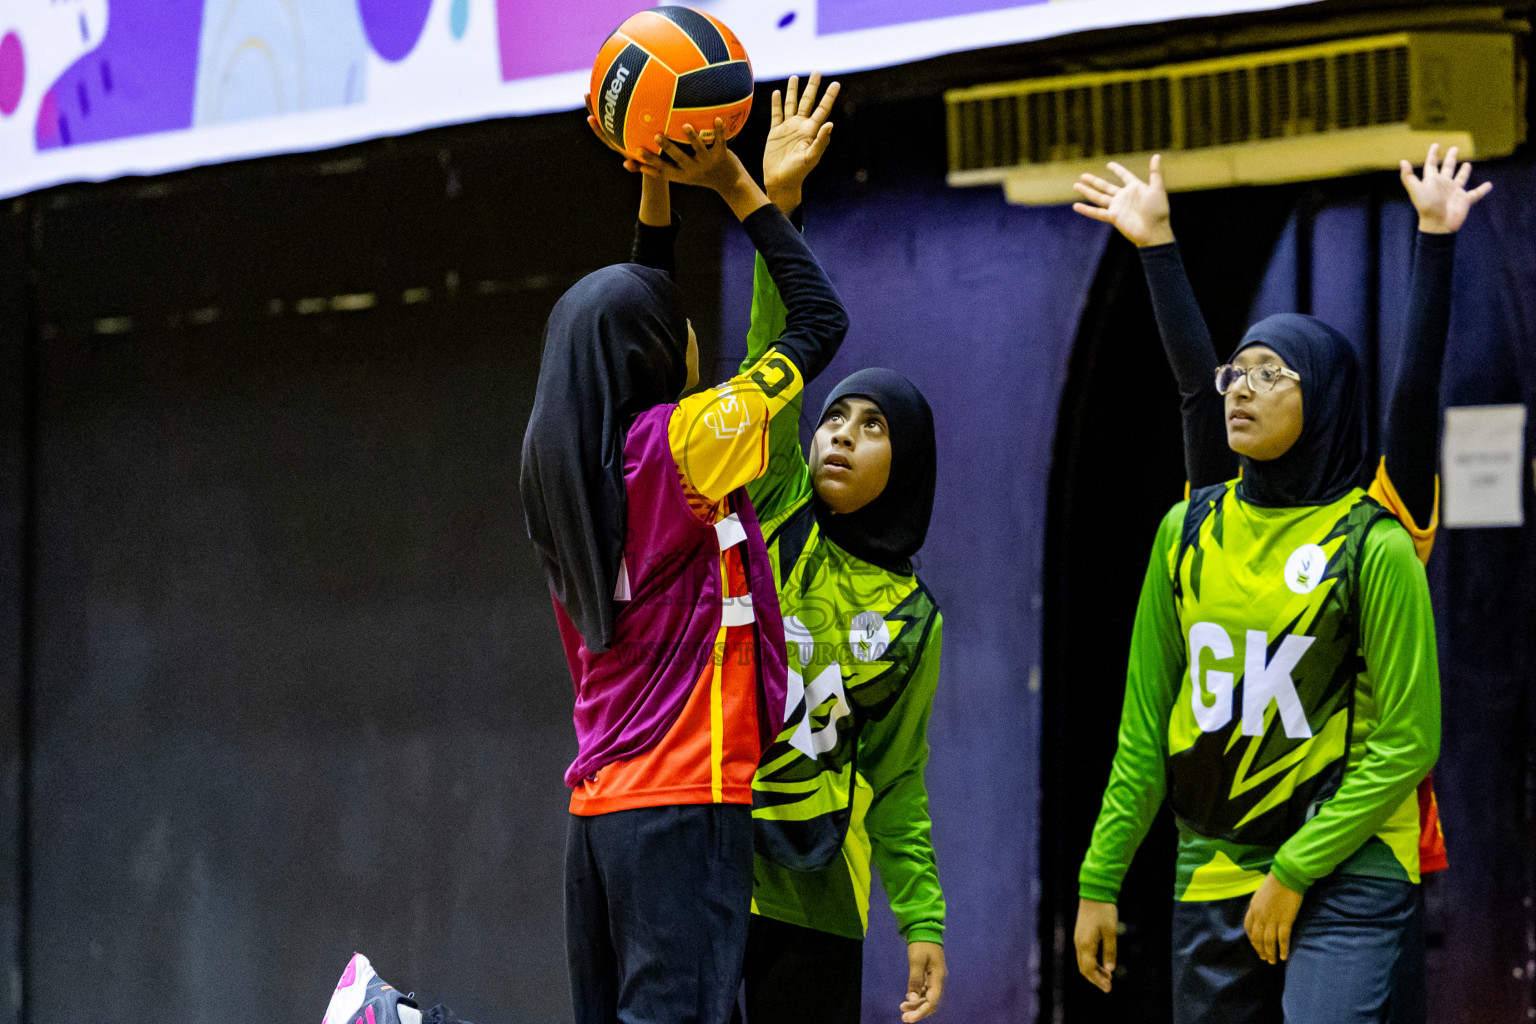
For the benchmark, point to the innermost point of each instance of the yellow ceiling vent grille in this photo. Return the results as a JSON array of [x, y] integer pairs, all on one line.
[[1308, 112]]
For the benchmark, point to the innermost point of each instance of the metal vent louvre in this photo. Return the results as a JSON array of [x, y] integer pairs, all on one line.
[[1130, 114], [1351, 98]]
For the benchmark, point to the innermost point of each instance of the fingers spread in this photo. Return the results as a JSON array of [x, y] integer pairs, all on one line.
[[1432, 159], [776, 110], [666, 147], [1093, 212], [808, 98], [824, 108], [1125, 176], [1449, 167], [1099, 183], [1480, 191], [1463, 174], [1089, 192], [821, 142], [1155, 170]]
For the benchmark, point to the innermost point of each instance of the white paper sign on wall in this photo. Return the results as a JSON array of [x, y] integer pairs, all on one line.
[[1484, 462]]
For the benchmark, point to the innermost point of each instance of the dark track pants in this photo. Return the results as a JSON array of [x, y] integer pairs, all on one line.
[[1357, 957], [798, 975], [656, 908]]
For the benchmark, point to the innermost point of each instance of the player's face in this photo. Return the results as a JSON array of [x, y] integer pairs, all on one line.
[[851, 455], [692, 359], [1263, 426]]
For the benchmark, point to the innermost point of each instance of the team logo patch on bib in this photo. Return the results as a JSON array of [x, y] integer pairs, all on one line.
[[870, 636], [1305, 568]]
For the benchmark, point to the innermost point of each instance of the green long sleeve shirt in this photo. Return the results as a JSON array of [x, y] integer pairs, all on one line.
[[842, 785], [1369, 824]]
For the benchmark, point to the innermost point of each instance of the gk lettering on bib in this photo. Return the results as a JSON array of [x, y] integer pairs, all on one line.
[[1267, 599]]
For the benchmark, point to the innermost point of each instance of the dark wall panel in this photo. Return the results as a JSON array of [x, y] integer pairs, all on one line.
[[14, 580], [298, 686]]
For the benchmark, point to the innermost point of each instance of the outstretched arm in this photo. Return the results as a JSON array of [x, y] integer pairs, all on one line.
[[815, 321], [1139, 211], [1411, 442], [798, 135], [656, 229], [740, 410]]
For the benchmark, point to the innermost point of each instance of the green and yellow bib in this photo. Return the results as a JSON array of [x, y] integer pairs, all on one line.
[[1267, 601], [856, 633]]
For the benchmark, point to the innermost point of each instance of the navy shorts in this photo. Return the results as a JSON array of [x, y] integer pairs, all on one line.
[[1356, 957], [656, 907]]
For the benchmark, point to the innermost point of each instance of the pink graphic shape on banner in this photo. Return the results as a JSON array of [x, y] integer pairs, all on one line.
[[834, 16], [543, 38], [13, 73], [394, 27]]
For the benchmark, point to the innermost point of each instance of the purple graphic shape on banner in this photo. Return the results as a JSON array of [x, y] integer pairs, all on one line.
[[140, 80], [834, 16], [542, 38], [394, 26]]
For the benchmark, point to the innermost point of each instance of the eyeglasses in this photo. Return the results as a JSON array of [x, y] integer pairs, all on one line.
[[1261, 379]]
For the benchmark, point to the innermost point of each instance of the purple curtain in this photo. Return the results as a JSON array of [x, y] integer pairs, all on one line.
[[978, 302]]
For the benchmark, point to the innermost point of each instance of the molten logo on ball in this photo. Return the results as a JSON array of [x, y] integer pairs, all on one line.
[[611, 97]]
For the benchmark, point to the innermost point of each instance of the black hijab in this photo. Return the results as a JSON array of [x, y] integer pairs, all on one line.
[[1329, 457], [616, 345], [889, 530]]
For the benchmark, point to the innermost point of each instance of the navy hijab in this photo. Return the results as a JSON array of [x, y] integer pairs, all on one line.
[[889, 530], [615, 346], [1330, 455]]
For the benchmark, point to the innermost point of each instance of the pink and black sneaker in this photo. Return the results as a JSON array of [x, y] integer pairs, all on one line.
[[362, 997]]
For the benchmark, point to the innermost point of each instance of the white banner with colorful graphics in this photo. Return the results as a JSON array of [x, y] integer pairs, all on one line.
[[93, 89]]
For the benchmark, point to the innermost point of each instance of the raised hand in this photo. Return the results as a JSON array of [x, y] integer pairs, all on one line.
[[1138, 209], [710, 165], [798, 135], [1441, 195]]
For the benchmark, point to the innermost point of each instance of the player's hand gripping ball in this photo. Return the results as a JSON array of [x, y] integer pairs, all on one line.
[[665, 68]]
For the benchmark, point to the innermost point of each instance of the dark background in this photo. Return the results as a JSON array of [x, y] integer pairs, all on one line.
[[278, 680]]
